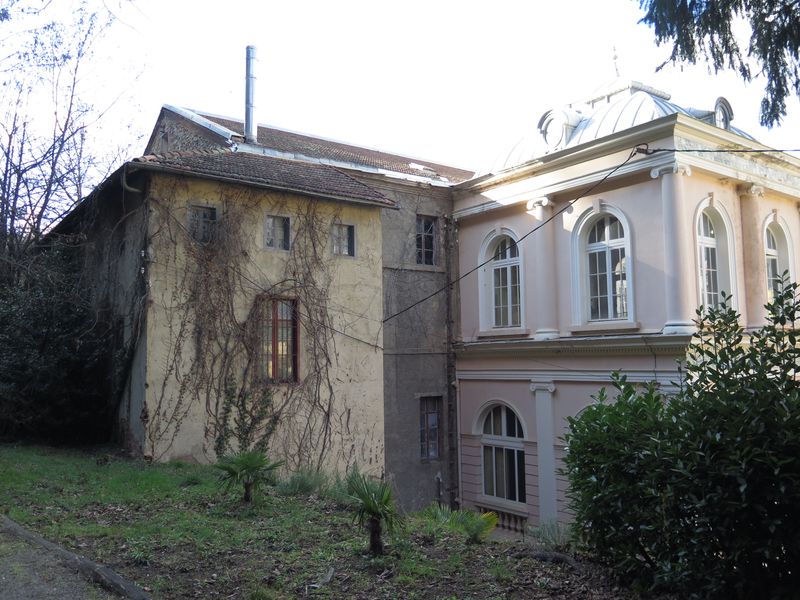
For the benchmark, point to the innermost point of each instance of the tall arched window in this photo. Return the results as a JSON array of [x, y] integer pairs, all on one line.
[[505, 282], [776, 254], [713, 257], [606, 270], [709, 264], [503, 455]]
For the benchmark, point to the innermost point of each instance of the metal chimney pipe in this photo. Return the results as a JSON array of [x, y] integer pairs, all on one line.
[[250, 126]]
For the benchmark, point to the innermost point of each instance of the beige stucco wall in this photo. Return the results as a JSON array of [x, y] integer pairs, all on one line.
[[178, 424]]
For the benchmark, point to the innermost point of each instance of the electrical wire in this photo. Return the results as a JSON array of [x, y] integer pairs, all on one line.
[[587, 191], [645, 149]]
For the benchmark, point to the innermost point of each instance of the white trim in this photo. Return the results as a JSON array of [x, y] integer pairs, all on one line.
[[579, 259], [776, 221], [483, 410], [486, 283], [663, 378], [726, 254], [543, 391]]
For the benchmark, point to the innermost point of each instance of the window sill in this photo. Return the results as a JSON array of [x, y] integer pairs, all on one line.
[[602, 326], [504, 332], [519, 509]]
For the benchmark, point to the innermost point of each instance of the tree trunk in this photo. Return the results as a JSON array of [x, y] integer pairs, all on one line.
[[248, 491], [375, 541]]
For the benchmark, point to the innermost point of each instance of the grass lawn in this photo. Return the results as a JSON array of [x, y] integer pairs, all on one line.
[[170, 529]]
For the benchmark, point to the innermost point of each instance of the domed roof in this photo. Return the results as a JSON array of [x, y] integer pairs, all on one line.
[[614, 108]]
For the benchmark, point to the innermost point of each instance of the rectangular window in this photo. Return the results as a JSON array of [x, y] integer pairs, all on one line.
[[430, 409], [426, 240], [279, 339], [202, 223], [276, 232], [344, 239], [504, 473]]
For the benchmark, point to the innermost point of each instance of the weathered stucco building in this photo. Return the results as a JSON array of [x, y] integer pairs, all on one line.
[[405, 316]]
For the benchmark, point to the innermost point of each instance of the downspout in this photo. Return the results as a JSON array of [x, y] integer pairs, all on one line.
[[452, 409]]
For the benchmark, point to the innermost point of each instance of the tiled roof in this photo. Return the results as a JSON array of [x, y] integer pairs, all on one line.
[[302, 145], [267, 171]]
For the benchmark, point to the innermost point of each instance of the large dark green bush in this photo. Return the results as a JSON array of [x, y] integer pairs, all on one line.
[[54, 355], [700, 492]]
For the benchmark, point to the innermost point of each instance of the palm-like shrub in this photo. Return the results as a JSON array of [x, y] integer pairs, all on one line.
[[374, 508], [475, 526], [248, 468]]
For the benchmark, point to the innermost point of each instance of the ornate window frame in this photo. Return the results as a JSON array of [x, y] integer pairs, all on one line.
[[724, 253], [486, 284], [581, 311]]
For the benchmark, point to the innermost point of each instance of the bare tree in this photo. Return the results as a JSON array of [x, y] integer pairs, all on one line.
[[47, 162]]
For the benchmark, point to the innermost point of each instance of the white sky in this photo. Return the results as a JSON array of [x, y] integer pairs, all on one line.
[[449, 81]]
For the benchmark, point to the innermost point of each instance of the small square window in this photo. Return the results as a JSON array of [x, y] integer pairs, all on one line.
[[344, 239], [430, 410], [426, 240], [202, 223], [276, 232]]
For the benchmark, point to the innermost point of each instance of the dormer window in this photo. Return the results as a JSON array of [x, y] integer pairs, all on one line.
[[723, 114]]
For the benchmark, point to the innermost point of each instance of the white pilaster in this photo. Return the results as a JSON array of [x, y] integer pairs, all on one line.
[[545, 448], [545, 285], [679, 271]]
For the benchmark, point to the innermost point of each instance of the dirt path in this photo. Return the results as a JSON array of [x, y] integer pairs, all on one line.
[[31, 573]]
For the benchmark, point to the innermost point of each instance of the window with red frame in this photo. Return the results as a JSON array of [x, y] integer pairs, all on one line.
[[280, 340]]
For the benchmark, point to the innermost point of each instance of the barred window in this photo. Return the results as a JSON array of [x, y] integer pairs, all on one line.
[[279, 339]]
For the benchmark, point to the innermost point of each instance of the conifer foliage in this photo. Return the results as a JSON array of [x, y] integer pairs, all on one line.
[[705, 29]]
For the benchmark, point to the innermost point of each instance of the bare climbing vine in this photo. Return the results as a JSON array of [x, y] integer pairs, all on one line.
[[210, 300]]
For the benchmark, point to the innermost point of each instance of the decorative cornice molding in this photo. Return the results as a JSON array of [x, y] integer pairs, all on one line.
[[544, 380], [538, 385], [675, 169]]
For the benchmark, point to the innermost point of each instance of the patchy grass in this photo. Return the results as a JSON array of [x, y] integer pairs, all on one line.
[[170, 529]]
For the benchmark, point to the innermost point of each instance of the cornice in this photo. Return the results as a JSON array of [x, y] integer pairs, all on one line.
[[545, 380], [618, 344]]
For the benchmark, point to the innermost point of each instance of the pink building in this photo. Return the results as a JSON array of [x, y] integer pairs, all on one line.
[[593, 257]]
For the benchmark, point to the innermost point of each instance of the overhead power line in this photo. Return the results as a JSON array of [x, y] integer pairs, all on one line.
[[587, 191]]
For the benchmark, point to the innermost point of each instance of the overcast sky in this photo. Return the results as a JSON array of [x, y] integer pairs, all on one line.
[[450, 81]]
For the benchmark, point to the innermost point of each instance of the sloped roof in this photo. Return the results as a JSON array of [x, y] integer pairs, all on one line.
[[281, 174], [616, 107], [301, 145]]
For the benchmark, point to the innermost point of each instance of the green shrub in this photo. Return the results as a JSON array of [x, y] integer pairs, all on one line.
[[552, 536], [700, 493], [474, 526], [374, 508], [250, 468], [303, 483]]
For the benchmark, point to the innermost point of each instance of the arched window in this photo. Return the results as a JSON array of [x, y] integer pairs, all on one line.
[[606, 270], [776, 251], [503, 455], [713, 257], [504, 282]]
